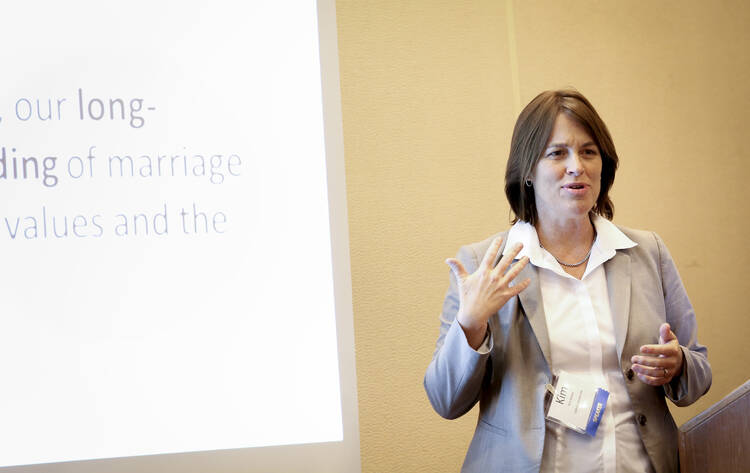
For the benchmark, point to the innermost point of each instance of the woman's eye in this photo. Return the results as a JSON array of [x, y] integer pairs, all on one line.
[[555, 153], [591, 152]]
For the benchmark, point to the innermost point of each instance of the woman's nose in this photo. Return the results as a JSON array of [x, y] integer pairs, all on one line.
[[574, 164]]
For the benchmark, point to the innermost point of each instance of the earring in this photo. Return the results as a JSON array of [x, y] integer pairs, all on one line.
[[528, 182]]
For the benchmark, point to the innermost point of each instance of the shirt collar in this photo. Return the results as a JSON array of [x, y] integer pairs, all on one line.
[[609, 239]]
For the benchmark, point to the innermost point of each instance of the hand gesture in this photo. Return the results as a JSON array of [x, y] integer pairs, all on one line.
[[659, 364], [485, 291]]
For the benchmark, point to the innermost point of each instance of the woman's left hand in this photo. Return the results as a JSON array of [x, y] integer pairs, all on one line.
[[657, 365]]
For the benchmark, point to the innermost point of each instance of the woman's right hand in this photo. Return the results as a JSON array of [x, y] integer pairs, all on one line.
[[486, 290]]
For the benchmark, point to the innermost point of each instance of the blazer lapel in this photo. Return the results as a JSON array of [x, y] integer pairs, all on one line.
[[533, 307], [618, 274], [531, 303]]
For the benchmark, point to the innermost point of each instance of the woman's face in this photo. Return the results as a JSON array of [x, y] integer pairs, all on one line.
[[567, 178]]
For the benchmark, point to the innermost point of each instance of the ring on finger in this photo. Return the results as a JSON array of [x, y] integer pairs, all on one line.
[[666, 372]]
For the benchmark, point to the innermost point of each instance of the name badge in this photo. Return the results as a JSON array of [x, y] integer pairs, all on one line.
[[575, 402]]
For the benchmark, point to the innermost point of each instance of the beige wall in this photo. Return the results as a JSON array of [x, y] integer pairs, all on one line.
[[430, 92]]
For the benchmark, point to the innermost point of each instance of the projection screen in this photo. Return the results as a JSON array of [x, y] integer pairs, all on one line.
[[176, 285]]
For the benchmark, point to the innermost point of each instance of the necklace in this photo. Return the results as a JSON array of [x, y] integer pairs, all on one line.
[[574, 264]]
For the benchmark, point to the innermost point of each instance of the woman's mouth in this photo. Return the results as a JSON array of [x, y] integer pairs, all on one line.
[[576, 188]]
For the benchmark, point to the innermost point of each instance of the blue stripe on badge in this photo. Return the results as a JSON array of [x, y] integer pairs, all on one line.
[[597, 411]]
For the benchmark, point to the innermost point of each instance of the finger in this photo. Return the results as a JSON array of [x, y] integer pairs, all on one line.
[[517, 288], [668, 349], [508, 258], [658, 362], [458, 269], [516, 269], [490, 254], [654, 372], [667, 359], [651, 380], [666, 334], [672, 362]]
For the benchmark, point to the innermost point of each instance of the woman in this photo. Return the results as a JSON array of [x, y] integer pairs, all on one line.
[[565, 289]]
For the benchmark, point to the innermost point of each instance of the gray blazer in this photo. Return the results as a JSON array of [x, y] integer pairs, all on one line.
[[645, 291]]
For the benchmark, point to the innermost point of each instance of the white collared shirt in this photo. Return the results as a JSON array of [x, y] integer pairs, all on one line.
[[582, 341]]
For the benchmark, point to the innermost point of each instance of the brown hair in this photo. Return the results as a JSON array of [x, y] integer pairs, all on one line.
[[530, 135]]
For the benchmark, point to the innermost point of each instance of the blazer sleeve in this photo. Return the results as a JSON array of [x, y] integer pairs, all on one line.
[[453, 380], [695, 379]]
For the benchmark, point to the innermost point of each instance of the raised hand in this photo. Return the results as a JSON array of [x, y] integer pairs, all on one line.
[[486, 290], [659, 364]]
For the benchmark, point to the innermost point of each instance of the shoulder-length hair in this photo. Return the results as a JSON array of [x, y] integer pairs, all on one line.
[[530, 135]]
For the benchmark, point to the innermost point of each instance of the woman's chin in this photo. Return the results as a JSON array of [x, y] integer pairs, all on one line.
[[573, 212]]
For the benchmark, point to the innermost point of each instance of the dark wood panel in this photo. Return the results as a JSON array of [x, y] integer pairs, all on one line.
[[718, 439]]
